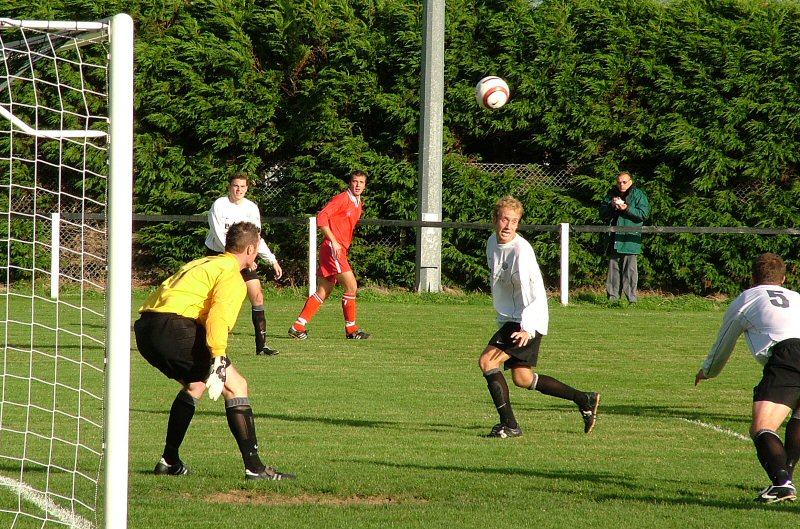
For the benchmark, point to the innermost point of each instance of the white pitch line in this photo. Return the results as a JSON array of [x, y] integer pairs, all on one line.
[[28, 493], [716, 428]]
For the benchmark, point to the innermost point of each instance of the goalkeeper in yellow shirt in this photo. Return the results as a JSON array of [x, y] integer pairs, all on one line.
[[183, 331]]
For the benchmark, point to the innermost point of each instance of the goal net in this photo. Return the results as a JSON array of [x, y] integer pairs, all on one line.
[[65, 219]]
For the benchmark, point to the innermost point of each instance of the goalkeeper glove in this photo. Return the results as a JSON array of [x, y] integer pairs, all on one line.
[[216, 378]]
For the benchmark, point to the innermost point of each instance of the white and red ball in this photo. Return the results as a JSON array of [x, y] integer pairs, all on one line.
[[492, 92]]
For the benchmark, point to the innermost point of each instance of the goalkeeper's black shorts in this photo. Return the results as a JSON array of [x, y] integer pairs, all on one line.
[[173, 344]]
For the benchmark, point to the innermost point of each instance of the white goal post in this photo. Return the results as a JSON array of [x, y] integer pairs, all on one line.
[[66, 152]]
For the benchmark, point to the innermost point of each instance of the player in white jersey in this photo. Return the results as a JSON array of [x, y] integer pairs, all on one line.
[[225, 212], [520, 300], [769, 317]]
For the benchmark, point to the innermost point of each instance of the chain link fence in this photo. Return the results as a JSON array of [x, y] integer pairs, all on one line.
[[389, 249], [532, 175], [383, 251], [390, 241], [82, 236]]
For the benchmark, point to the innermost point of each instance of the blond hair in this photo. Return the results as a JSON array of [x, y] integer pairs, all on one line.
[[508, 202]]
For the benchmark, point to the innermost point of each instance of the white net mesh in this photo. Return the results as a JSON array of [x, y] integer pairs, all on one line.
[[53, 160]]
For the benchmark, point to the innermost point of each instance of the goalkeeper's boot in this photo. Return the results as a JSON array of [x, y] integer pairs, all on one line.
[[502, 431], [777, 493], [358, 334], [266, 351], [268, 473], [300, 335], [589, 412], [165, 469]]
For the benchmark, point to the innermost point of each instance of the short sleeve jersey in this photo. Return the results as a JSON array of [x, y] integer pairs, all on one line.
[[341, 215], [766, 314], [518, 292]]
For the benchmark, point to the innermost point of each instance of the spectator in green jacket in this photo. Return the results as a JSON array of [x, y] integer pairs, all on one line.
[[624, 205]]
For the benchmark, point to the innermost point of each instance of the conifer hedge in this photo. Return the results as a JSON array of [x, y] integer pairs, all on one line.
[[699, 99]]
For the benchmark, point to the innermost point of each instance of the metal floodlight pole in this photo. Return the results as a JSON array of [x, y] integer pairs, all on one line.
[[429, 204]]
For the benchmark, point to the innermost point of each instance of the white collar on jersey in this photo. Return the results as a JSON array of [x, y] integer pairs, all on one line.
[[356, 200]]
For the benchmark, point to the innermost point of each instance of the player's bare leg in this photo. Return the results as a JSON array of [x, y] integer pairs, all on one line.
[[243, 427], [312, 305], [180, 417], [588, 403], [350, 287], [256, 297], [767, 418], [490, 363]]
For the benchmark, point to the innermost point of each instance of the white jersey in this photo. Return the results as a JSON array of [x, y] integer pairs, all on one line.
[[223, 214], [766, 314], [518, 292]]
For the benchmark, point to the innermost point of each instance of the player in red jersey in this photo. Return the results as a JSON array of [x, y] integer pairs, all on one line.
[[337, 220]]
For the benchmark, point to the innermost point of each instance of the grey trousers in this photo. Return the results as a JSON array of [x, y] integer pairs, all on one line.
[[623, 276]]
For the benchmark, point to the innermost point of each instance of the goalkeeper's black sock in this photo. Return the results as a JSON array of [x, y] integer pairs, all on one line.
[[498, 389], [259, 326], [180, 416], [243, 428], [554, 388]]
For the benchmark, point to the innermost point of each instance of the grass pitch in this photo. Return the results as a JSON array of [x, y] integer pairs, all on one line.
[[389, 432]]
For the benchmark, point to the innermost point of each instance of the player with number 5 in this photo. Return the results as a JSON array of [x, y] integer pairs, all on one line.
[[183, 332], [769, 317]]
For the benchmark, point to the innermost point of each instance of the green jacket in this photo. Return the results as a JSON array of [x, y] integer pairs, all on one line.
[[637, 212]]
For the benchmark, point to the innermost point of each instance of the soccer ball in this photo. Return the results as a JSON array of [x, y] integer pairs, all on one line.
[[491, 92]]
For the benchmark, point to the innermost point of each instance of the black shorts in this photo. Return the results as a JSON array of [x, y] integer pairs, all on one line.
[[174, 345], [247, 274], [781, 379], [520, 356]]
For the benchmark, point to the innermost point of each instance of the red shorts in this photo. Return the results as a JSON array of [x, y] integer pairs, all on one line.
[[330, 266]]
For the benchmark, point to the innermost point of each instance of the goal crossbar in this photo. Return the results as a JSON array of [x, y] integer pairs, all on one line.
[[89, 32], [48, 25], [54, 134]]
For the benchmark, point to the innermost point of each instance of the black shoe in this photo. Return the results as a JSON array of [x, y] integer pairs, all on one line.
[[589, 413], [267, 351], [358, 334], [300, 335], [504, 432], [164, 469], [777, 493], [268, 473]]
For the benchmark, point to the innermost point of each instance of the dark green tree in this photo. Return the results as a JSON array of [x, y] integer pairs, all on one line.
[[698, 99]]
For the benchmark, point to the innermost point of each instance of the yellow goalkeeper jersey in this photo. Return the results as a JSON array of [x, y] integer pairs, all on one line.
[[210, 290]]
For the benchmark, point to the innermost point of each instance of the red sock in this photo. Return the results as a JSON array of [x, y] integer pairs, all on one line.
[[349, 311], [313, 303]]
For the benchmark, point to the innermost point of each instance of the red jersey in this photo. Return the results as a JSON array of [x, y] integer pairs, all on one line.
[[341, 215]]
